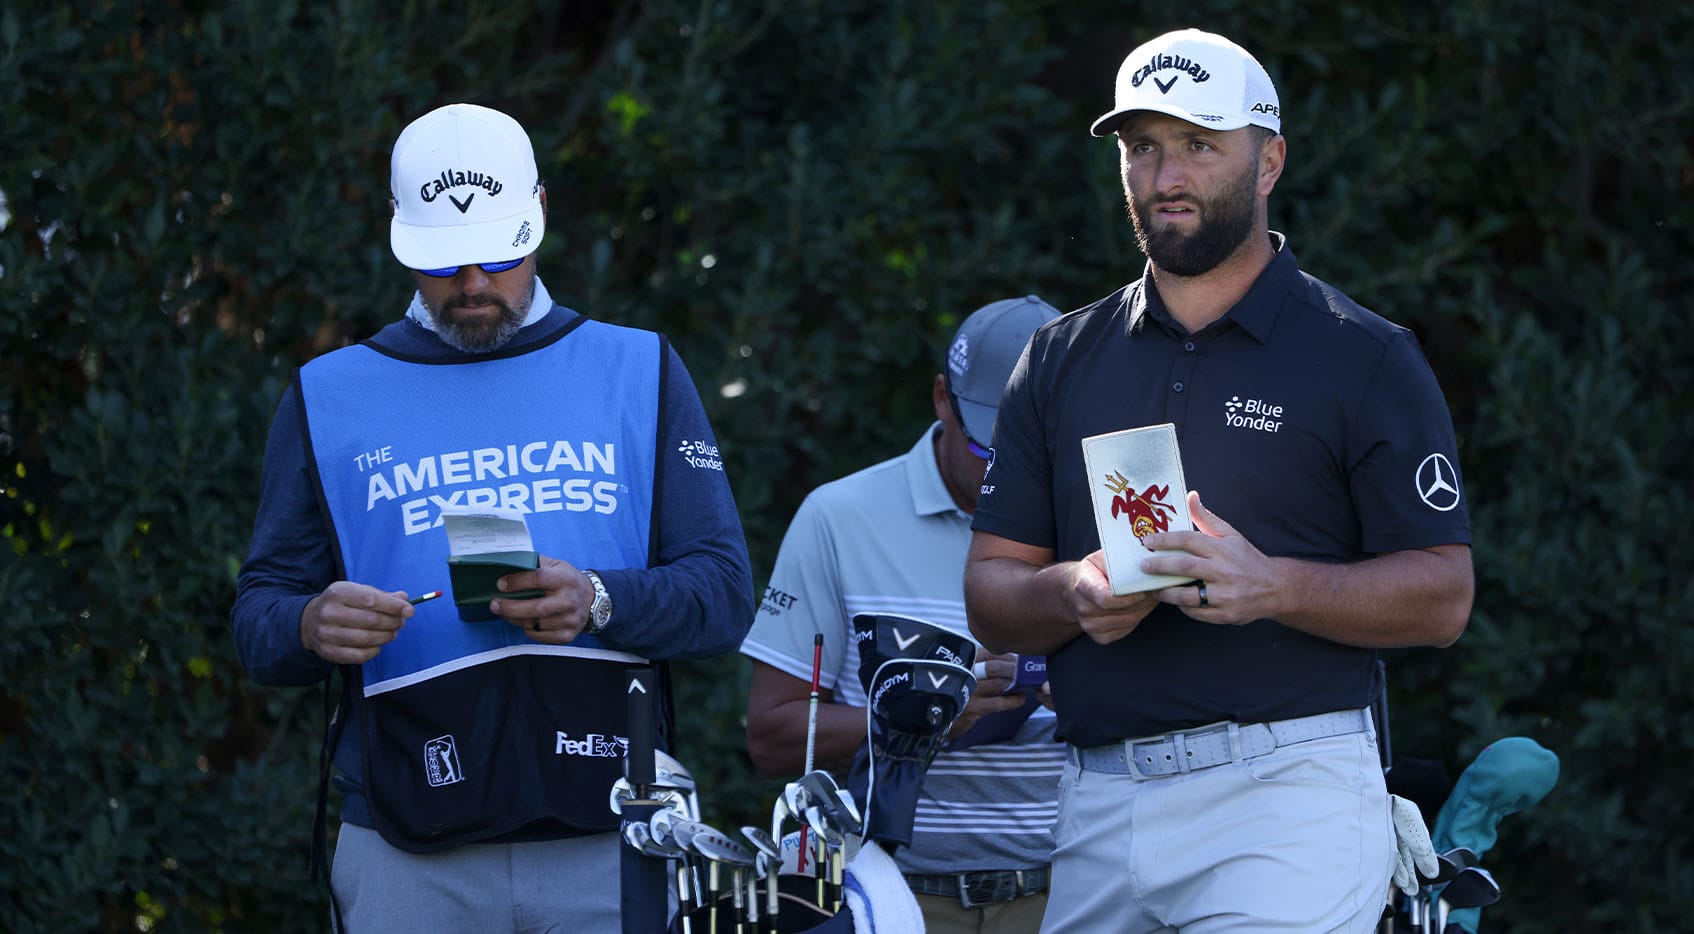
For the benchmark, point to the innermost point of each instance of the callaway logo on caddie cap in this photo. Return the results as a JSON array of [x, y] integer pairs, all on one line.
[[449, 179], [1196, 76], [466, 190]]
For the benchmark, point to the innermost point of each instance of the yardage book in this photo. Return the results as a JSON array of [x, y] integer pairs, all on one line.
[[1135, 481], [485, 544]]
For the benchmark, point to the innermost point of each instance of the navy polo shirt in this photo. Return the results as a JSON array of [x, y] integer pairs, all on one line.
[[1310, 424]]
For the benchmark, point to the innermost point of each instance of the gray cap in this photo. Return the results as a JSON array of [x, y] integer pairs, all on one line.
[[983, 354]]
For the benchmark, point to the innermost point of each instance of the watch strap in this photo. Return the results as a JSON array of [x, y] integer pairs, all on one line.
[[600, 610]]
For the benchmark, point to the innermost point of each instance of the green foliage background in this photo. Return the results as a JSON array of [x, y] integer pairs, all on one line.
[[807, 196]]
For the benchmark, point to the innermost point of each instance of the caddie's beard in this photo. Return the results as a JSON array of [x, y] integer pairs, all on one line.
[[480, 335], [1226, 220]]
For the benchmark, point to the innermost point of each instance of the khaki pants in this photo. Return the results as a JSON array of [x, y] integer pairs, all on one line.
[[944, 915]]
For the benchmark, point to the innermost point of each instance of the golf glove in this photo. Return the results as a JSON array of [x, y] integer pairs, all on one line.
[[1414, 853]]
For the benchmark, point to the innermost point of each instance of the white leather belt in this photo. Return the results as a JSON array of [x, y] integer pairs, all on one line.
[[1213, 744]]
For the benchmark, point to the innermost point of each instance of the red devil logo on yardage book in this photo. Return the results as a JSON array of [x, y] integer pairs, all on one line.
[[1147, 510]]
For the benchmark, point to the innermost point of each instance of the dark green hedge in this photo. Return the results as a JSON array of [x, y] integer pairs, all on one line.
[[807, 196]]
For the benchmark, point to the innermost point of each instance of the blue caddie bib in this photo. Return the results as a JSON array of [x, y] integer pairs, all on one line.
[[471, 730]]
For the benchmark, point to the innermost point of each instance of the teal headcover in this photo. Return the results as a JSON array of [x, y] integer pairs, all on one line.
[[1508, 776]]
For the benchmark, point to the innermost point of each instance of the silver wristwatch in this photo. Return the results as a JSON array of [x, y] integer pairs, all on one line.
[[600, 611]]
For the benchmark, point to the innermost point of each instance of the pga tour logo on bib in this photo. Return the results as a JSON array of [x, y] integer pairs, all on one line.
[[441, 762]]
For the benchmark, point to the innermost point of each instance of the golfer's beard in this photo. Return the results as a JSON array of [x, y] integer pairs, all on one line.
[[479, 336], [1225, 223]]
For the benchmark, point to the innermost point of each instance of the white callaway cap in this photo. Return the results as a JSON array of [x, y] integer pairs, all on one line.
[[465, 190], [1195, 76]]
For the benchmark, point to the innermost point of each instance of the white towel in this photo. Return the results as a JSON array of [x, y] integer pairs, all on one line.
[[878, 896]]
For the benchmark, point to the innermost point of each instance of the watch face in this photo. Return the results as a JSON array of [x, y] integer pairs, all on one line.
[[600, 611]]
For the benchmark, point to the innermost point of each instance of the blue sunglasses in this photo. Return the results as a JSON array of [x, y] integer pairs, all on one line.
[[448, 272], [953, 398]]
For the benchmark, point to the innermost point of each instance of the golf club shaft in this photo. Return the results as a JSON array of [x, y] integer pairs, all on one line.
[[812, 739], [812, 712]]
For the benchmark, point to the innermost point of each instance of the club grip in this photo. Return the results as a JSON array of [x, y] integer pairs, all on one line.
[[642, 738]]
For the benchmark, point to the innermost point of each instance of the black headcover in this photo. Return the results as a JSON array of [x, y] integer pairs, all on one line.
[[914, 697], [882, 636]]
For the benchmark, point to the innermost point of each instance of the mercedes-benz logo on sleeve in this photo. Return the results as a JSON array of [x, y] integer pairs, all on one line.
[[1438, 483]]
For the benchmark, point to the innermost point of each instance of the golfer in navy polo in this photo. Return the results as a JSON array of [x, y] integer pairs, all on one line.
[[1222, 772]]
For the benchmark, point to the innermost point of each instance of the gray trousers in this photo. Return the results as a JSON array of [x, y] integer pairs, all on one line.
[[547, 886], [1299, 841]]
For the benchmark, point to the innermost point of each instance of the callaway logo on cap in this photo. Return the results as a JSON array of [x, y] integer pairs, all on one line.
[[1195, 76], [465, 190]]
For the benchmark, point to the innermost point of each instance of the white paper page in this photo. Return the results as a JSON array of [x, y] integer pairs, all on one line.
[[475, 530]]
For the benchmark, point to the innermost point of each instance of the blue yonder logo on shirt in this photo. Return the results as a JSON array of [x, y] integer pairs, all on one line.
[[699, 454], [1252, 414]]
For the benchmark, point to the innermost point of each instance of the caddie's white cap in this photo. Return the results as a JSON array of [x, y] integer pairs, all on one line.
[[465, 190], [1196, 76]]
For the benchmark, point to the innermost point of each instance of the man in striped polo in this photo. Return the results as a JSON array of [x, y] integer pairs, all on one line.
[[892, 539]]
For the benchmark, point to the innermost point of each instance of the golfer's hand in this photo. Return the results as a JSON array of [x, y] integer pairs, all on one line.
[[349, 623], [986, 699], [1103, 616], [1241, 583], [562, 610]]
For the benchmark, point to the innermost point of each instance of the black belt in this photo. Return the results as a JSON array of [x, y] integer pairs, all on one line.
[[974, 889]]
